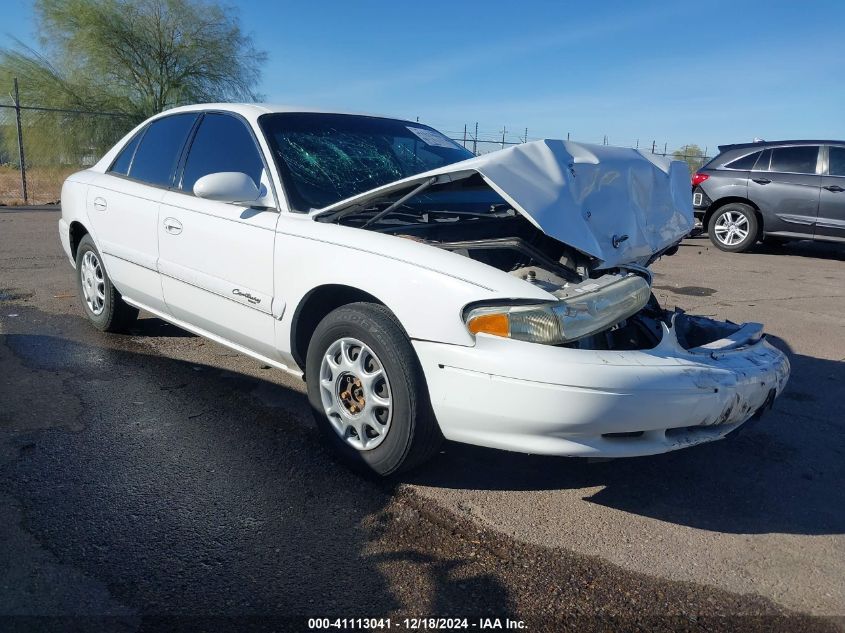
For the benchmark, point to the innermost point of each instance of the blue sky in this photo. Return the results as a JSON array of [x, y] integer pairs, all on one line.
[[675, 72]]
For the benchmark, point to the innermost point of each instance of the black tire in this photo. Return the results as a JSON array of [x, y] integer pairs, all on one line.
[[413, 435], [746, 219], [115, 315]]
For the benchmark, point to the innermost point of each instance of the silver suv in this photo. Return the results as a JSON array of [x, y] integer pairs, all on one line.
[[772, 191]]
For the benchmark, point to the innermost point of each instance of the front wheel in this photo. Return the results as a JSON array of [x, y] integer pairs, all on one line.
[[733, 228], [367, 391]]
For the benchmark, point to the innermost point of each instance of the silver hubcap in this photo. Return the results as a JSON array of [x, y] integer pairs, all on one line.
[[93, 282], [731, 228], [356, 394]]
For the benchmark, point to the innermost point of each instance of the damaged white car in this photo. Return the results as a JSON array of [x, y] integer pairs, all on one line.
[[502, 300]]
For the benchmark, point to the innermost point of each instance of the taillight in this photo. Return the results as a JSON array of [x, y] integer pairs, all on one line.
[[697, 179]]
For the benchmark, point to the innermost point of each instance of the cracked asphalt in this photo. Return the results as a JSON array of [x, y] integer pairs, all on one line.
[[158, 481]]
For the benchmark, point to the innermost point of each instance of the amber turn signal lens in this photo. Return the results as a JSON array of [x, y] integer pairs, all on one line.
[[496, 324]]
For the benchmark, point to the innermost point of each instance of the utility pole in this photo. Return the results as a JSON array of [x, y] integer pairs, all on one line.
[[475, 140], [653, 144], [526, 135], [465, 135], [504, 131], [20, 143]]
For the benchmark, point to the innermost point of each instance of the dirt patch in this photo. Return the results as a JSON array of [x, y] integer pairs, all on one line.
[[44, 184]]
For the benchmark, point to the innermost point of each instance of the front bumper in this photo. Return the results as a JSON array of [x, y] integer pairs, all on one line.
[[548, 400]]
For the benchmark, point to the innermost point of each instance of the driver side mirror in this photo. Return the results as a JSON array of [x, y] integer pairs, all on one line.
[[227, 186]]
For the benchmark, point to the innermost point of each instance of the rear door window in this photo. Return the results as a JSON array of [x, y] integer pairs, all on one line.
[[797, 160], [744, 163], [124, 159], [157, 155], [222, 143], [762, 163], [836, 161]]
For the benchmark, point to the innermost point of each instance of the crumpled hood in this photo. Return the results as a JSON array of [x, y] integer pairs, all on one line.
[[616, 204]]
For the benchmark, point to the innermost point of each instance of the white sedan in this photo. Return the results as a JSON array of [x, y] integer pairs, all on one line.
[[422, 292]]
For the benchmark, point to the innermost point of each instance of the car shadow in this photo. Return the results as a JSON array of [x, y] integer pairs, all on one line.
[[154, 327], [803, 248], [781, 474], [185, 493], [796, 248]]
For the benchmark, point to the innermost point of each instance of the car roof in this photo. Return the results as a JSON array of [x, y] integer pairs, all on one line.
[[253, 110], [765, 144]]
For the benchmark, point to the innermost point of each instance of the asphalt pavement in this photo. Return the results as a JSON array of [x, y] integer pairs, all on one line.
[[157, 480]]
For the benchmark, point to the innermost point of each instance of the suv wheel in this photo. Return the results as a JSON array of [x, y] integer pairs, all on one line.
[[733, 227], [367, 391]]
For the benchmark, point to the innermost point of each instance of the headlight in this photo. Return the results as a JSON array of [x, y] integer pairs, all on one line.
[[583, 309]]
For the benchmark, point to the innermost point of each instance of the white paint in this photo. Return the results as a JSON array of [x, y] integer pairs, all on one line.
[[238, 275]]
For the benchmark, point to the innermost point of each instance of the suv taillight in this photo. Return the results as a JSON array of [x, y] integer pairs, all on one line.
[[697, 179]]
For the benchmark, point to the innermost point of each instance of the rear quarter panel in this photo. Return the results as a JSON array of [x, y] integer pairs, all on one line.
[[73, 199], [725, 183]]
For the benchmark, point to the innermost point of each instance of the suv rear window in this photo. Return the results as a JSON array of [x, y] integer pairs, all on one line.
[[836, 161], [797, 160], [746, 162]]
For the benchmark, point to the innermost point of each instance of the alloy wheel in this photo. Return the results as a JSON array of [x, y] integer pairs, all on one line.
[[731, 228], [93, 282], [355, 393]]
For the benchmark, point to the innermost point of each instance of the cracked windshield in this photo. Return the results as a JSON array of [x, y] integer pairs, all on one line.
[[325, 158]]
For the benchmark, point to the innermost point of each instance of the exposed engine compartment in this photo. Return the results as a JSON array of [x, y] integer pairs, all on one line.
[[525, 252], [512, 244], [496, 235]]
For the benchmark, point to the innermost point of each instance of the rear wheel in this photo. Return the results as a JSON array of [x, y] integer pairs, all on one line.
[[733, 227], [367, 391], [101, 301]]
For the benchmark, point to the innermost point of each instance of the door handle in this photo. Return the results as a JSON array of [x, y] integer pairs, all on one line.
[[834, 188], [761, 181], [172, 226], [100, 204]]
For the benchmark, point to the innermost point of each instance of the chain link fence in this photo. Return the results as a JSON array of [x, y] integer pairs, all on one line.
[[484, 141], [41, 146], [52, 143]]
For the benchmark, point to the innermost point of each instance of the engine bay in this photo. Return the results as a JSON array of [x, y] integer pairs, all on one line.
[[488, 230]]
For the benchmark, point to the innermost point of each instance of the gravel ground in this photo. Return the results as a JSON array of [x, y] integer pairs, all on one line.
[[151, 479]]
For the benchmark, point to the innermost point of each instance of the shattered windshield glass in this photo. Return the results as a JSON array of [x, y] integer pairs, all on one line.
[[325, 158]]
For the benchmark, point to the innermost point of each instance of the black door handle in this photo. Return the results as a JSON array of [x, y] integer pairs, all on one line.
[[761, 181], [834, 188]]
